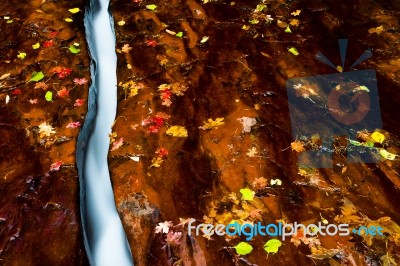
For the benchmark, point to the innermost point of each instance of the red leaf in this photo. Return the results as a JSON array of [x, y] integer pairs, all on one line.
[[151, 43], [47, 44], [78, 102], [63, 92], [62, 72], [16, 92]]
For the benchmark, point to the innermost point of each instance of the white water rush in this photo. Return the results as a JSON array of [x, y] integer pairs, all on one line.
[[105, 240]]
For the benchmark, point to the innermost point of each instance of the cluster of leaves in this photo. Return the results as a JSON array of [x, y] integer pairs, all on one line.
[[154, 123], [131, 88], [161, 153], [167, 90]]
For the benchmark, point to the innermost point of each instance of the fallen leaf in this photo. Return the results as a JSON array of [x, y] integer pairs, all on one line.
[[296, 13], [74, 10], [80, 81], [121, 23], [117, 144], [210, 123], [387, 155], [151, 7], [21, 55], [37, 76], [177, 131], [247, 194], [288, 30], [272, 245], [252, 152], [36, 46], [378, 137], [297, 146], [45, 130], [126, 48], [73, 49], [56, 166], [204, 39], [48, 96], [74, 124], [4, 76], [179, 34], [163, 227], [68, 19], [156, 162], [293, 50], [243, 248], [377, 30]]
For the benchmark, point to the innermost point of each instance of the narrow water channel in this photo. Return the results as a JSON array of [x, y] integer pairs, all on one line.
[[105, 239]]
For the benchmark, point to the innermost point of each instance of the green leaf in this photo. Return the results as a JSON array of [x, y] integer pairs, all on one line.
[[151, 7], [179, 34], [49, 96], [243, 248], [254, 21], [293, 50], [36, 46], [73, 49], [261, 7], [387, 155], [288, 30], [37, 76], [355, 143], [247, 194], [21, 55], [272, 245]]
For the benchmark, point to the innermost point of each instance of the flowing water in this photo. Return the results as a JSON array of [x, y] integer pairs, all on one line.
[[105, 238]]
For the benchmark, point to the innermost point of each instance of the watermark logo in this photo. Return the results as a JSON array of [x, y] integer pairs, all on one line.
[[280, 230], [338, 104]]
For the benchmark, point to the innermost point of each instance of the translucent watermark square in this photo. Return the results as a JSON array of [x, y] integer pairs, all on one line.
[[339, 104]]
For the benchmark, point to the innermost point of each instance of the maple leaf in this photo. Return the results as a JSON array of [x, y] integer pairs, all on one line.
[[151, 43], [126, 48], [74, 124], [210, 124], [163, 227], [62, 72], [117, 144], [45, 130], [161, 152], [247, 123], [252, 152], [41, 85], [56, 166], [297, 146], [173, 238], [47, 44], [131, 87], [78, 102], [156, 162], [63, 92], [80, 81]]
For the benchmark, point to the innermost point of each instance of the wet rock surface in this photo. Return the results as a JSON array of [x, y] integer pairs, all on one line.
[[181, 63], [44, 74]]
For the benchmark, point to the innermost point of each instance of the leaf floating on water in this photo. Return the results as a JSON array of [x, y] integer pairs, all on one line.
[[281, 24], [378, 137], [117, 144], [156, 162], [297, 146], [48, 96], [68, 19], [387, 155], [321, 253], [177, 131], [179, 34], [339, 68], [272, 245], [293, 50], [73, 49], [45, 130], [243, 248], [276, 182], [121, 23], [37, 76], [36, 46], [151, 7], [288, 30], [247, 194]]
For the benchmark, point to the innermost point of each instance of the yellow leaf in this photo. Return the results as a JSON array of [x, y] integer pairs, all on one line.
[[74, 10], [293, 50], [68, 19], [36, 46], [21, 55], [387, 155], [296, 13], [378, 137], [297, 146], [177, 131], [210, 124], [156, 162], [339, 68], [121, 23], [377, 30], [294, 22]]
